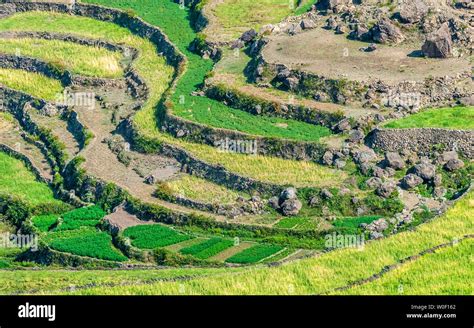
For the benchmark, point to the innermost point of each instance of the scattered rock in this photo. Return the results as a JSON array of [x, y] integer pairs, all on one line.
[[328, 158], [438, 180], [343, 125], [447, 156], [291, 207], [151, 180], [379, 225], [386, 32], [439, 44], [425, 170], [373, 183], [288, 193], [386, 189], [412, 11], [363, 156], [326, 194], [394, 160], [294, 29], [248, 36], [356, 136], [307, 24], [454, 164], [411, 181], [439, 192], [274, 203], [339, 163]]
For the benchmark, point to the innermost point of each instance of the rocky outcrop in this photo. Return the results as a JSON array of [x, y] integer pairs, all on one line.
[[439, 44]]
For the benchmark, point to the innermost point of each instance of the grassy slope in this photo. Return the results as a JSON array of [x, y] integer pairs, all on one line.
[[34, 84], [328, 271], [157, 74], [17, 180], [80, 59], [449, 271], [450, 118], [174, 22]]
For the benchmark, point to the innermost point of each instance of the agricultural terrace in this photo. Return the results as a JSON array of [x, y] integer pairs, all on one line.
[[173, 20], [34, 84], [325, 273], [79, 59], [198, 189], [16, 180], [268, 169], [449, 118], [228, 19]]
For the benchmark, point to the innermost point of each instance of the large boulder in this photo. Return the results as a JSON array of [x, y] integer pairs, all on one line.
[[412, 11], [454, 164], [291, 207], [425, 170], [447, 156], [439, 44], [411, 181], [394, 160], [386, 32], [364, 156], [288, 193], [307, 24]]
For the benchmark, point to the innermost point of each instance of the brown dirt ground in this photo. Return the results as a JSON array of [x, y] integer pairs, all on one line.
[[323, 52], [123, 220]]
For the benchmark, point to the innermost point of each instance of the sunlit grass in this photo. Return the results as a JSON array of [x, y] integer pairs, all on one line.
[[80, 59], [34, 84], [449, 272], [331, 270], [17, 180], [198, 189]]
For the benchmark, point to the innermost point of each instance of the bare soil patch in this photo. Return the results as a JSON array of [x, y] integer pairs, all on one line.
[[121, 219], [334, 56]]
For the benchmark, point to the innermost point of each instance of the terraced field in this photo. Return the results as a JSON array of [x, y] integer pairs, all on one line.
[[129, 139]]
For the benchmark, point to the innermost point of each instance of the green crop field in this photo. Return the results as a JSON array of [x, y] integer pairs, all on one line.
[[154, 236], [448, 118], [85, 242], [45, 222], [208, 248], [254, 254]]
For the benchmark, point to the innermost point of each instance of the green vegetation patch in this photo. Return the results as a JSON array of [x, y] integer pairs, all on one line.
[[153, 236], [85, 213], [17, 180], [208, 248], [254, 254], [34, 84], [351, 225], [80, 59], [45, 222], [449, 118], [85, 242]]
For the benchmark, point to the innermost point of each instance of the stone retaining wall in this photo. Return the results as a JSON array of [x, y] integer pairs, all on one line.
[[423, 140]]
